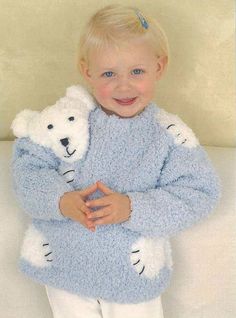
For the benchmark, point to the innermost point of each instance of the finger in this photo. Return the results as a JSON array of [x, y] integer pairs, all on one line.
[[102, 187], [103, 201], [102, 221], [85, 209], [90, 225], [79, 217], [89, 190], [100, 213]]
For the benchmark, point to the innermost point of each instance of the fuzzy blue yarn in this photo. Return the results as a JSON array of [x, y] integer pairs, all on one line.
[[171, 187]]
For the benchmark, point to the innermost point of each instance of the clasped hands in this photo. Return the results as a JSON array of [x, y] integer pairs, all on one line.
[[114, 207]]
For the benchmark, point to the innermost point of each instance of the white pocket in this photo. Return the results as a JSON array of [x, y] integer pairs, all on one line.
[[148, 256], [36, 249]]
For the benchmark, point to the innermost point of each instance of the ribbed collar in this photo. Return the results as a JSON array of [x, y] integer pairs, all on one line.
[[99, 115]]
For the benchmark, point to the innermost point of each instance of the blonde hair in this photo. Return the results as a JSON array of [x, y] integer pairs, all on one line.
[[114, 24]]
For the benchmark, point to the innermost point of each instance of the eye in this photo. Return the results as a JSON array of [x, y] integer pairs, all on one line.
[[137, 71], [71, 118], [50, 126], [108, 74]]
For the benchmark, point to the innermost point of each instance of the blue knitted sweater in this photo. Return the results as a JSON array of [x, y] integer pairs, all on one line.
[[155, 159]]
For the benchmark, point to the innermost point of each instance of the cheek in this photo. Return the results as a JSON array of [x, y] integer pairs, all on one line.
[[103, 91], [147, 88]]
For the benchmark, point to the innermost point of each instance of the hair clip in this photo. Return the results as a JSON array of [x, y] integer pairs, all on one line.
[[142, 20]]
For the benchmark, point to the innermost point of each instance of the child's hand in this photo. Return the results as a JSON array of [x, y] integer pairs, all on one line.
[[72, 205], [115, 207]]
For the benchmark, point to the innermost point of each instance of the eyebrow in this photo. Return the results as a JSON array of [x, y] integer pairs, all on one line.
[[106, 68], [113, 68], [138, 65]]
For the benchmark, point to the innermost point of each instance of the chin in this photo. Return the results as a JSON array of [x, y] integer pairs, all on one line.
[[123, 111], [130, 113]]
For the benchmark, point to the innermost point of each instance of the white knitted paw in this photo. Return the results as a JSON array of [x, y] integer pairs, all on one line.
[[68, 173], [149, 256], [182, 134], [36, 249]]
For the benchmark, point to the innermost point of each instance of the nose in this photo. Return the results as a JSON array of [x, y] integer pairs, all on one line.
[[64, 142], [123, 82]]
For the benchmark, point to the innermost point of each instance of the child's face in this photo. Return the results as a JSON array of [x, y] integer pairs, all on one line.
[[123, 81]]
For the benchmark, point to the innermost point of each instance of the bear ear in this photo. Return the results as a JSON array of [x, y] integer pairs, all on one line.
[[80, 93], [21, 122]]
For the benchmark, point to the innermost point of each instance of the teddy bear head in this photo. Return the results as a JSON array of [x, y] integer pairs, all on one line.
[[62, 127]]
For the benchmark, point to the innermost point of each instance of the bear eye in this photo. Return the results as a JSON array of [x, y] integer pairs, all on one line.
[[71, 118], [50, 126]]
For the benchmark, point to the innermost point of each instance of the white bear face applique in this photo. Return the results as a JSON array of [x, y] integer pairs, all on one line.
[[62, 127]]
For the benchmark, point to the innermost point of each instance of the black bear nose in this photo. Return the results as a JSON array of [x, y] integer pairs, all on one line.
[[64, 141]]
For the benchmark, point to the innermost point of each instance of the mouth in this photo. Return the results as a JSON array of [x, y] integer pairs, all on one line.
[[69, 153], [126, 101]]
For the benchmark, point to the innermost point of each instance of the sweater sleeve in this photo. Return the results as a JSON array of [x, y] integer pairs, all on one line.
[[187, 191], [37, 184]]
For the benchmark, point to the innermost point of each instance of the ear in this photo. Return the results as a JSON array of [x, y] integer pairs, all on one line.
[[21, 122], [161, 65], [84, 69], [81, 94]]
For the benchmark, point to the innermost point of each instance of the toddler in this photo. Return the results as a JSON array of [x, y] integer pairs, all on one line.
[[143, 179]]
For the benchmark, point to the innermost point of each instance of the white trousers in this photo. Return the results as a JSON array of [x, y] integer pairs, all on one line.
[[66, 305]]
